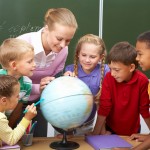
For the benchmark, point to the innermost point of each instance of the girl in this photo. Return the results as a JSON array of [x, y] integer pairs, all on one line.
[[9, 95], [89, 66]]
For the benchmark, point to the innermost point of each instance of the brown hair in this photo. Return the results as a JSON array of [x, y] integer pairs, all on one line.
[[13, 49], [60, 15], [90, 38], [7, 84], [123, 52], [144, 37]]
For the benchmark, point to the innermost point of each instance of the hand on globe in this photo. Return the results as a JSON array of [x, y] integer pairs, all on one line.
[[45, 81], [68, 102]]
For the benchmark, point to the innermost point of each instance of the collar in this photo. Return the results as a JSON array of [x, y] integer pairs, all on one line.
[[134, 77], [94, 73], [37, 42]]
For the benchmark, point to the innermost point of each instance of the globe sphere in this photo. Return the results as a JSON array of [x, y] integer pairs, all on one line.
[[67, 102]]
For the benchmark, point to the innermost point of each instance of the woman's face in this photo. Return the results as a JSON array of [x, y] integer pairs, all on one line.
[[58, 38]]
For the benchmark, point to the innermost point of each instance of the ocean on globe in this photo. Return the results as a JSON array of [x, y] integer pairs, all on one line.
[[67, 102]]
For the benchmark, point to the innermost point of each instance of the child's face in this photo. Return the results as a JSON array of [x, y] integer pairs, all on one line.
[[58, 38], [89, 56], [143, 55], [121, 72], [13, 100], [26, 65]]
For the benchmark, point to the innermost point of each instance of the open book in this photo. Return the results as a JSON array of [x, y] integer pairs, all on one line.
[[106, 142]]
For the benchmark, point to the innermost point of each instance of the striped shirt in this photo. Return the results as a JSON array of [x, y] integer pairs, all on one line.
[[9, 136]]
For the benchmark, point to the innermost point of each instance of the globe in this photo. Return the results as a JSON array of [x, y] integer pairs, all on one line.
[[67, 102]]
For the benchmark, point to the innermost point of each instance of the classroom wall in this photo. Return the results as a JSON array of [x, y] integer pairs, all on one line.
[[124, 20], [22, 16]]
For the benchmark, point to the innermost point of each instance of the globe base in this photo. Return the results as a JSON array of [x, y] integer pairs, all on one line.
[[64, 144], [69, 145]]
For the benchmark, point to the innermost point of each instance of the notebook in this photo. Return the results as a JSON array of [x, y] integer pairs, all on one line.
[[106, 142], [8, 147]]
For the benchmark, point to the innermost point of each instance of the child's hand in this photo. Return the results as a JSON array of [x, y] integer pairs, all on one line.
[[139, 137], [31, 113], [45, 81], [69, 73]]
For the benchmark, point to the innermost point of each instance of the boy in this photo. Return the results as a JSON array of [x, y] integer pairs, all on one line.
[[143, 58], [124, 94], [17, 59]]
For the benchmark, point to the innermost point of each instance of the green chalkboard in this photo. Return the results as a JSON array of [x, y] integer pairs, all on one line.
[[124, 20], [22, 16]]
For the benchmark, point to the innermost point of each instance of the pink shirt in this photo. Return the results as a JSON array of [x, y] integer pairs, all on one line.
[[46, 65]]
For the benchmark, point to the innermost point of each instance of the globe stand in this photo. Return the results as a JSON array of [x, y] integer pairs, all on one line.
[[64, 144]]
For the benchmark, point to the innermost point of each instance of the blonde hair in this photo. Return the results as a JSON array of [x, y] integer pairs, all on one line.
[[61, 16], [13, 49], [93, 39], [7, 85]]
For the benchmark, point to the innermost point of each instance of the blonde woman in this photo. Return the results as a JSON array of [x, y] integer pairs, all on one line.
[[51, 49]]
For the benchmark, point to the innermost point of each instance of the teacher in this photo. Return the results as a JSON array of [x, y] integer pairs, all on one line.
[[51, 50]]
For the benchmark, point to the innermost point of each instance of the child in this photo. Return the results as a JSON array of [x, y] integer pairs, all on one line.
[[90, 68], [9, 95], [124, 94], [17, 59], [143, 58]]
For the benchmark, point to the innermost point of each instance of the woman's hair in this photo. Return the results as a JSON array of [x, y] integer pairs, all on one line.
[[7, 85], [13, 49], [123, 52], [144, 37], [61, 16], [96, 40]]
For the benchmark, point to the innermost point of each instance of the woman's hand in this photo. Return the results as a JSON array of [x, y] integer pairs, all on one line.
[[45, 81]]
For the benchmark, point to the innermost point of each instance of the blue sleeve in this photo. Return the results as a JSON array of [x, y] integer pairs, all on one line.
[[106, 69], [69, 68]]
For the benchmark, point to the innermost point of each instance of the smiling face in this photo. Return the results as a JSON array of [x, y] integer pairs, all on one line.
[[24, 66], [143, 55], [89, 56], [121, 72], [58, 38]]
